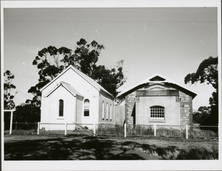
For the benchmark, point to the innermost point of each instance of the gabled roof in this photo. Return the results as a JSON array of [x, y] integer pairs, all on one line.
[[84, 76], [157, 78], [67, 86]]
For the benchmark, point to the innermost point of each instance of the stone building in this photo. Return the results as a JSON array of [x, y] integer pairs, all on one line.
[[158, 100], [73, 97]]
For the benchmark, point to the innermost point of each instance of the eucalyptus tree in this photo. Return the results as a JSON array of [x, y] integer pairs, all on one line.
[[51, 61], [8, 87], [207, 72]]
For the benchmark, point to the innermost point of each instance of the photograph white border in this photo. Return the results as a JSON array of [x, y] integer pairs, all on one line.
[[112, 165]]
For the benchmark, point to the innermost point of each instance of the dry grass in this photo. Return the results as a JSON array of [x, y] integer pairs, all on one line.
[[55, 145]]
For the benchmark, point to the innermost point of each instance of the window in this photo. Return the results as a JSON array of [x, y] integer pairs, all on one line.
[[86, 107], [157, 112], [103, 110], [107, 111], [110, 111], [61, 106]]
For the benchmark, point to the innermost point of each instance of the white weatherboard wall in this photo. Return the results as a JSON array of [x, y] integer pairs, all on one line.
[[52, 114], [87, 90]]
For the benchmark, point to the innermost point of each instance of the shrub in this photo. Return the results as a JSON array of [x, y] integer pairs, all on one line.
[[198, 153], [140, 130], [198, 133], [165, 132], [110, 130]]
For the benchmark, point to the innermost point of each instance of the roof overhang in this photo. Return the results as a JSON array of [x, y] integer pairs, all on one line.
[[84, 76], [66, 86], [155, 80]]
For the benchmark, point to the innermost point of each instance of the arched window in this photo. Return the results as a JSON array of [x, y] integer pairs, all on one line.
[[107, 111], [61, 108], [103, 110], [157, 112], [86, 107], [110, 111]]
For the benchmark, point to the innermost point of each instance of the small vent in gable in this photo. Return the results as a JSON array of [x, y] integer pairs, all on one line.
[[157, 78]]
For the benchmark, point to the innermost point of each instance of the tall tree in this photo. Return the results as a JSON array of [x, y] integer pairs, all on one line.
[[51, 61], [207, 72], [48, 62], [8, 87], [110, 79]]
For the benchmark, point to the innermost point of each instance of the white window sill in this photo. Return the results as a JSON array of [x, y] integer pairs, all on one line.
[[60, 118], [157, 121]]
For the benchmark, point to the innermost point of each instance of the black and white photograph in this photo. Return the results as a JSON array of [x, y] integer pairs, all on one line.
[[113, 85]]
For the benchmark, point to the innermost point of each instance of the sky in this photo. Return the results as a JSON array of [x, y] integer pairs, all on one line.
[[169, 41]]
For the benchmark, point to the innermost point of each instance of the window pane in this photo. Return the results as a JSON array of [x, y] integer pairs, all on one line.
[[110, 116], [157, 112], [107, 111], [61, 107], [86, 113], [86, 107], [103, 108]]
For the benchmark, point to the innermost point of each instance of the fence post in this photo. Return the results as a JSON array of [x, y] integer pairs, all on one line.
[[38, 128], [154, 126], [11, 119], [65, 128], [124, 130], [94, 129], [187, 131]]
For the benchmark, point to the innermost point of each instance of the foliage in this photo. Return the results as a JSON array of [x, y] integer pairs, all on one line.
[[201, 115], [8, 86], [51, 61], [204, 134], [197, 153], [140, 130], [27, 112], [110, 79], [207, 72], [169, 132], [110, 130]]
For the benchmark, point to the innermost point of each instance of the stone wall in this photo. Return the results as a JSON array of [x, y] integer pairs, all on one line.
[[130, 100], [185, 109]]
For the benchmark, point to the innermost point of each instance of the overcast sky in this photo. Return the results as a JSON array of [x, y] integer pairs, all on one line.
[[169, 41]]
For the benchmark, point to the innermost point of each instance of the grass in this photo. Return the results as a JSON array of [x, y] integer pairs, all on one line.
[[54, 145], [203, 134], [110, 131], [198, 153]]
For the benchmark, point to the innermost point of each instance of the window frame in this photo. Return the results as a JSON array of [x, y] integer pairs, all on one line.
[[107, 111], [110, 111], [103, 110], [86, 109], [154, 110], [61, 108]]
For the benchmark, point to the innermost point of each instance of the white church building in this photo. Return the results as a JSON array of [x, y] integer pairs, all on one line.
[[73, 97]]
